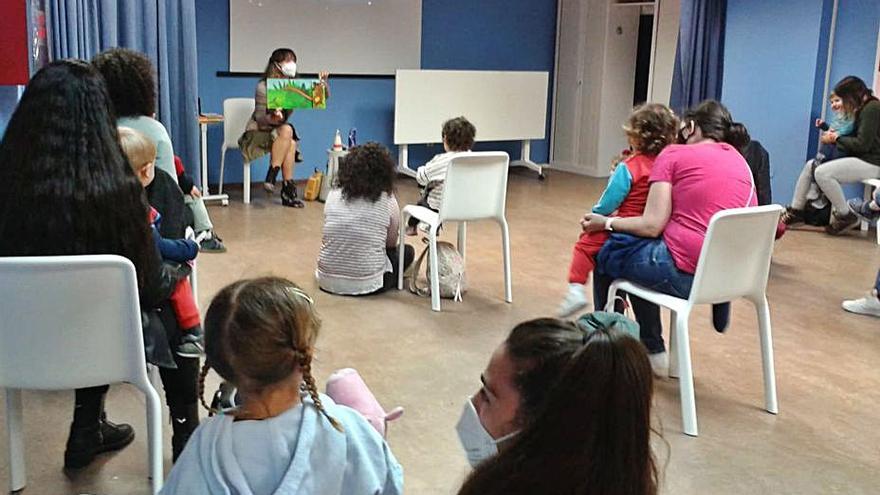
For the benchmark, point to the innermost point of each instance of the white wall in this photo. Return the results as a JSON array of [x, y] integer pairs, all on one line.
[[664, 53]]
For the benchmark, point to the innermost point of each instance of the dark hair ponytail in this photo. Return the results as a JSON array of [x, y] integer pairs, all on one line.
[[715, 122]]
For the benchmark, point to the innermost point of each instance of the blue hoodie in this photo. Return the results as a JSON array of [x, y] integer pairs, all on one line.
[[296, 452]]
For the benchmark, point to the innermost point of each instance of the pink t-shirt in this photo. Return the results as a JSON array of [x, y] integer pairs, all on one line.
[[706, 178]]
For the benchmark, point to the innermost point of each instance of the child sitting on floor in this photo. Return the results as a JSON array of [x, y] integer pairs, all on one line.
[[649, 129], [285, 437], [141, 153], [458, 136]]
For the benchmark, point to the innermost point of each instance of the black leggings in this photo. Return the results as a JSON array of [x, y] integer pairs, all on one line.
[[180, 390]]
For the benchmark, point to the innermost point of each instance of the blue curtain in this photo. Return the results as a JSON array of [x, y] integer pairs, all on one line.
[[165, 30], [699, 59]]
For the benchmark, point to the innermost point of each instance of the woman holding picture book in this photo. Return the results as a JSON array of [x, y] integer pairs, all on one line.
[[268, 130]]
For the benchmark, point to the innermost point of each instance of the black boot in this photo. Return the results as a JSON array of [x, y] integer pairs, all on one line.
[[288, 195], [84, 443], [184, 420], [271, 178]]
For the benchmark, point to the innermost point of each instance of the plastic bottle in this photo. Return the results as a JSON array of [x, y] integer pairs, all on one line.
[[337, 141], [352, 138]]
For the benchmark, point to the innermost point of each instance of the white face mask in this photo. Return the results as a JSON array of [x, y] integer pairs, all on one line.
[[478, 444], [288, 68]]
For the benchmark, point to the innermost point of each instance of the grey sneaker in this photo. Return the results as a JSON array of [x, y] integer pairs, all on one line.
[[841, 223], [862, 209], [868, 305], [212, 244]]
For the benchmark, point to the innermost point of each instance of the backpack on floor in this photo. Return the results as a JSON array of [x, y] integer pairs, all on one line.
[[450, 269]]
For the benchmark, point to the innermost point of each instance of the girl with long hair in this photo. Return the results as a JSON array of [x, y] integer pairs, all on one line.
[[65, 189], [285, 437], [589, 432]]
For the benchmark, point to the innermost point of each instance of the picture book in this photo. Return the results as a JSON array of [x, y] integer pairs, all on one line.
[[288, 94]]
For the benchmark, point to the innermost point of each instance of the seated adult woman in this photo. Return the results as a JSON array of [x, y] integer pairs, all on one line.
[[660, 249], [574, 409], [862, 160], [131, 83], [361, 226], [67, 189]]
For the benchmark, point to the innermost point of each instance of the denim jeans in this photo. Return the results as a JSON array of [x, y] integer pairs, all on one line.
[[648, 263], [877, 283]]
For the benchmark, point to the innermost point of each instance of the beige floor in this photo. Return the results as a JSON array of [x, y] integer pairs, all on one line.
[[826, 438]]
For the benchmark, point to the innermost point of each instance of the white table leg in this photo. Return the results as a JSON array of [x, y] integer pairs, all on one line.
[[403, 162], [206, 194], [525, 159]]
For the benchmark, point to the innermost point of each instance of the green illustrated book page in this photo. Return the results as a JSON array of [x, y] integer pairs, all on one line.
[[289, 94]]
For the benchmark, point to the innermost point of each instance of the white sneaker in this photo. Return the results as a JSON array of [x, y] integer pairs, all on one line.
[[659, 364], [868, 305], [575, 300]]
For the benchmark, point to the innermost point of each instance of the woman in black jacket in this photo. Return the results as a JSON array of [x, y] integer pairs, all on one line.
[[861, 160], [66, 189]]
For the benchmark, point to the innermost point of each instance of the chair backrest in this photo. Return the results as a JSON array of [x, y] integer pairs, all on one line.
[[475, 186], [69, 322], [236, 114], [735, 259]]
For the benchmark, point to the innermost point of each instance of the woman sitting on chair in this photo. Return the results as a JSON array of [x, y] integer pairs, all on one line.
[[67, 189], [690, 182]]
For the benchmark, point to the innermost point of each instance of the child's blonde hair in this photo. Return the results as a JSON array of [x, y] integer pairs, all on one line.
[[139, 149], [652, 127], [257, 333]]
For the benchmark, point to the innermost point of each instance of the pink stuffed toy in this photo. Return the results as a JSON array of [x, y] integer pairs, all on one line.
[[346, 387]]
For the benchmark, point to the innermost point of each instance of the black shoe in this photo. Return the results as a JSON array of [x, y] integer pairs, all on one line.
[[191, 344], [184, 421], [271, 178], [288, 195], [84, 444], [225, 398], [212, 244], [841, 223], [721, 316], [792, 216]]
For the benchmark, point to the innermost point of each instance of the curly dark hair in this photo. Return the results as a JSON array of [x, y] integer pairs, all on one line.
[[653, 126], [131, 81], [459, 134], [366, 172], [61, 163]]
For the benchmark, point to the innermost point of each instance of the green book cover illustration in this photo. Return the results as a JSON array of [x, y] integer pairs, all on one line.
[[288, 94]]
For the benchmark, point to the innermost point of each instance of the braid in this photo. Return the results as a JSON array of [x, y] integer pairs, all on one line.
[[202, 375], [305, 362]]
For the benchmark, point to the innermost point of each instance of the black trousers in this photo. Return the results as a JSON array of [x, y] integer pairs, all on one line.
[[181, 390], [390, 278]]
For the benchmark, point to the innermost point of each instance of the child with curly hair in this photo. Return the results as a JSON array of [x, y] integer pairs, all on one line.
[[285, 437], [649, 129]]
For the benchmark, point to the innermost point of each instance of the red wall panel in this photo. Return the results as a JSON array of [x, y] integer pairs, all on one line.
[[13, 42]]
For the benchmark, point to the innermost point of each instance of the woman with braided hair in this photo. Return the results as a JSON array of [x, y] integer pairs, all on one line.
[[284, 437]]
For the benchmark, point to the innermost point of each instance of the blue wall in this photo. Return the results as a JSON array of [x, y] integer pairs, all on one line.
[[456, 34], [774, 71], [8, 101]]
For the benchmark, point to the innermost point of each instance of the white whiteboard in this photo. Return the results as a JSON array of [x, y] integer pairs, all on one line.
[[341, 36], [502, 105]]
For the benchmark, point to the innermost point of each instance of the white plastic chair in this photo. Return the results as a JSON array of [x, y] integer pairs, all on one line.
[[236, 114], [475, 189], [870, 185], [71, 322], [734, 262]]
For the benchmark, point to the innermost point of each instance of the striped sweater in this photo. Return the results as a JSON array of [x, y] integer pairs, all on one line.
[[356, 233], [431, 176]]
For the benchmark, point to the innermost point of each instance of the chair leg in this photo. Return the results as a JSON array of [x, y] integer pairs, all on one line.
[[686, 376], [505, 240], [194, 281], [612, 295], [462, 240], [674, 371], [435, 272], [401, 248], [763, 310], [222, 166], [247, 182], [154, 436], [15, 433], [877, 229]]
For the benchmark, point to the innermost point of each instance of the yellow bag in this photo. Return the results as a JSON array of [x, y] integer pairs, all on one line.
[[313, 186]]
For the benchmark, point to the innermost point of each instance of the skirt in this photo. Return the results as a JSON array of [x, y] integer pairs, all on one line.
[[255, 144]]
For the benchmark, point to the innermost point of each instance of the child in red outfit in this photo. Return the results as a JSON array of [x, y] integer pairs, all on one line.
[[649, 129], [141, 153]]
